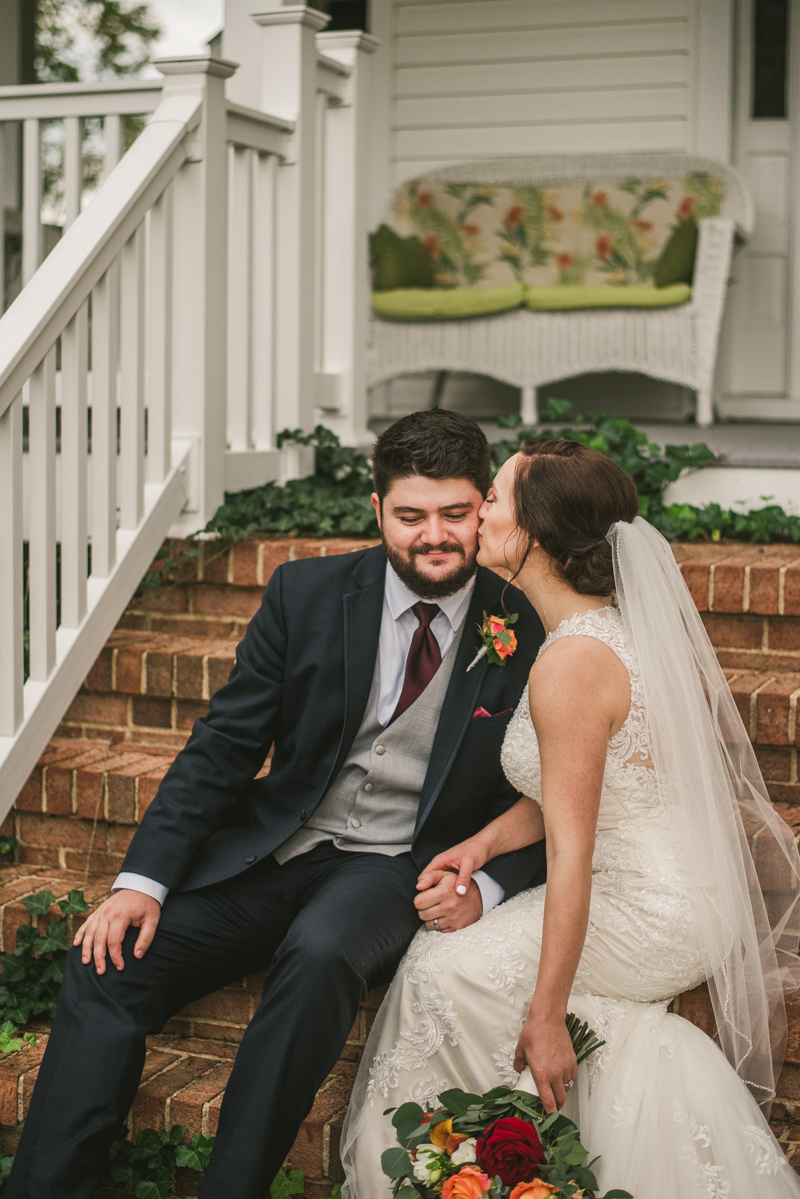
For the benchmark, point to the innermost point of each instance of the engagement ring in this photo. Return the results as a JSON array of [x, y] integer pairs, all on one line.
[[436, 924], [567, 1085]]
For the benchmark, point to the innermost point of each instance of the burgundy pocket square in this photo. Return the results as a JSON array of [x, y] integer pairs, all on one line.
[[483, 712]]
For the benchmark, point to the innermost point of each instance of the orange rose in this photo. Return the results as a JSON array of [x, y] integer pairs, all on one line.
[[441, 1132], [424, 199], [514, 216], [686, 208], [496, 624], [603, 246], [563, 261], [599, 199], [506, 648], [431, 244], [538, 1189], [469, 1183]]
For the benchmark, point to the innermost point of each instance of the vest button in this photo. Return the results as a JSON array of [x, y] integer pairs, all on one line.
[[249, 861], [368, 787], [379, 749], [354, 822]]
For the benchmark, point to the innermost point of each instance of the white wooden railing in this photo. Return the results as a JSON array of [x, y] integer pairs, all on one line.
[[211, 292]]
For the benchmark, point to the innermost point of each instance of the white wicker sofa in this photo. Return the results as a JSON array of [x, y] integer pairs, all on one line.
[[530, 348]]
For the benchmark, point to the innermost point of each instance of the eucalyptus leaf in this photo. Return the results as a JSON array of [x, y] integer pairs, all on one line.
[[407, 1111], [395, 1163]]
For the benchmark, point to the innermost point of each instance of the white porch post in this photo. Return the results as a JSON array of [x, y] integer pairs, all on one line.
[[345, 272], [199, 322], [288, 89]]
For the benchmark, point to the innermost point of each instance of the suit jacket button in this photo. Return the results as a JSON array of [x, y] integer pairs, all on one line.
[[249, 861], [304, 815]]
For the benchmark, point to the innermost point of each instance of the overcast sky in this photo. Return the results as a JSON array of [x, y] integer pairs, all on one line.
[[187, 24]]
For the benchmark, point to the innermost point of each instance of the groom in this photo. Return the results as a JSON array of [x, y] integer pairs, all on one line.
[[386, 751]]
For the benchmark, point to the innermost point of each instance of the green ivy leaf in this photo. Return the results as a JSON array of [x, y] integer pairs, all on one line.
[[285, 1184], [153, 1189], [74, 903], [39, 905]]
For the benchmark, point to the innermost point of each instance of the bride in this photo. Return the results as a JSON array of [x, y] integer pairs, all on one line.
[[632, 759]]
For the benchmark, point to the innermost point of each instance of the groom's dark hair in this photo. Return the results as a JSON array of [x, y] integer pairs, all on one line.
[[434, 444]]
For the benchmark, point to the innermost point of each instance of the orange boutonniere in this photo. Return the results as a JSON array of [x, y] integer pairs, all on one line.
[[499, 642]]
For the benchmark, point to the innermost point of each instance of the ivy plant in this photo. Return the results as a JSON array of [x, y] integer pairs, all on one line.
[[652, 469], [32, 974], [147, 1167], [333, 502]]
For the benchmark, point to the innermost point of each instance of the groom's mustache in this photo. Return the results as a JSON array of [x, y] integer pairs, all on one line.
[[445, 547]]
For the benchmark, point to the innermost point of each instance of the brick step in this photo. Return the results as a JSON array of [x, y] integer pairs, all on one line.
[[188, 1065], [183, 1082], [215, 593]]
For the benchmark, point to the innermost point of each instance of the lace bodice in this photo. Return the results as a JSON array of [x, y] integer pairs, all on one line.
[[628, 764]]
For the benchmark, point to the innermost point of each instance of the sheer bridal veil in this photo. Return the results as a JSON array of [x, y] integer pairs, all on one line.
[[735, 849]]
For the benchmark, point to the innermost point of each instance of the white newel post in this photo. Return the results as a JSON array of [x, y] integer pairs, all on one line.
[[199, 291], [345, 273], [288, 88]]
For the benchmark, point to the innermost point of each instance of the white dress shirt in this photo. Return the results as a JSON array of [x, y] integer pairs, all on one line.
[[398, 625]]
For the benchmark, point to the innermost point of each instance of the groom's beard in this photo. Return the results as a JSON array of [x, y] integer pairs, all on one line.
[[427, 588]]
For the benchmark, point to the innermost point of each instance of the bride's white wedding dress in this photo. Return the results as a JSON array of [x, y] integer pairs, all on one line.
[[659, 1102]]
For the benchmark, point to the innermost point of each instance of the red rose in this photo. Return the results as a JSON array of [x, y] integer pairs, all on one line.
[[511, 1149]]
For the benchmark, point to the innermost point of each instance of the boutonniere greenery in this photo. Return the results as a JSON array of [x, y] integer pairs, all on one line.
[[498, 640]]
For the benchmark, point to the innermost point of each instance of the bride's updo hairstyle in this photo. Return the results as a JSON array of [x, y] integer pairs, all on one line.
[[567, 497]]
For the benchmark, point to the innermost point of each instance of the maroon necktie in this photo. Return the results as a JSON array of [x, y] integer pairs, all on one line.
[[424, 658]]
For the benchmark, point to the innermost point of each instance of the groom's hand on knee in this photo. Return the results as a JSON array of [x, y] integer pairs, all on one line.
[[106, 928], [439, 901]]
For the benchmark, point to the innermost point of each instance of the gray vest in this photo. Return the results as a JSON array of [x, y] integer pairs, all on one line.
[[371, 806]]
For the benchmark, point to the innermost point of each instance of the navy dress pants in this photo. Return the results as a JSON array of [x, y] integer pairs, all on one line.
[[329, 925]]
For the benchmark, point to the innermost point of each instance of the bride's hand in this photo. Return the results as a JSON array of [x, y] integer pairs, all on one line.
[[463, 859], [546, 1048]]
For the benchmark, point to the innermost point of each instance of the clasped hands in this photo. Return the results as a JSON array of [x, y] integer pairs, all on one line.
[[448, 893]]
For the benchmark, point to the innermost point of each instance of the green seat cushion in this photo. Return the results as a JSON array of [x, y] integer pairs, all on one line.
[[399, 261], [566, 296], [442, 304], [676, 263]]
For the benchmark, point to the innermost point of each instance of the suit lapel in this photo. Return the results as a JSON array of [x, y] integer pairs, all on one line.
[[362, 609], [459, 702]]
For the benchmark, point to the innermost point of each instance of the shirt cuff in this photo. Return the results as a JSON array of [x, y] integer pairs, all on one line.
[[147, 886], [491, 892]]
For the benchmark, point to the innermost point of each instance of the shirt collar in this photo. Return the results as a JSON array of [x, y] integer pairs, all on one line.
[[400, 598]]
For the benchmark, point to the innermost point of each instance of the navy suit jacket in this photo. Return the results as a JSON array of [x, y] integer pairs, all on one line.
[[300, 685]]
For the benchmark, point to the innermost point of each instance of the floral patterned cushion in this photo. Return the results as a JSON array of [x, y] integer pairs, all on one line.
[[601, 233]]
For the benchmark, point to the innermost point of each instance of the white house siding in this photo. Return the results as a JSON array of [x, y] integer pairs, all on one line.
[[480, 78]]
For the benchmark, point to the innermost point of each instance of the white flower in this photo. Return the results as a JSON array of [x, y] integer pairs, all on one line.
[[464, 1153], [427, 1167]]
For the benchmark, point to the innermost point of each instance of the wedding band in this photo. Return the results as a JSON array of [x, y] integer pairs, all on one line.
[[567, 1085], [436, 924]]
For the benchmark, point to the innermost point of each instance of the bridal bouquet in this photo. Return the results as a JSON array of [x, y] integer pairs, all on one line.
[[501, 1145]]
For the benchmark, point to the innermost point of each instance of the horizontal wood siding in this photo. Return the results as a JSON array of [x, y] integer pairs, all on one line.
[[495, 77]]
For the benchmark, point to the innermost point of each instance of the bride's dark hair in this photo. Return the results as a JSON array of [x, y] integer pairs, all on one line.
[[567, 497]]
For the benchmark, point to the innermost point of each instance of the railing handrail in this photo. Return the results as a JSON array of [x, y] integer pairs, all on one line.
[[52, 101], [64, 280]]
